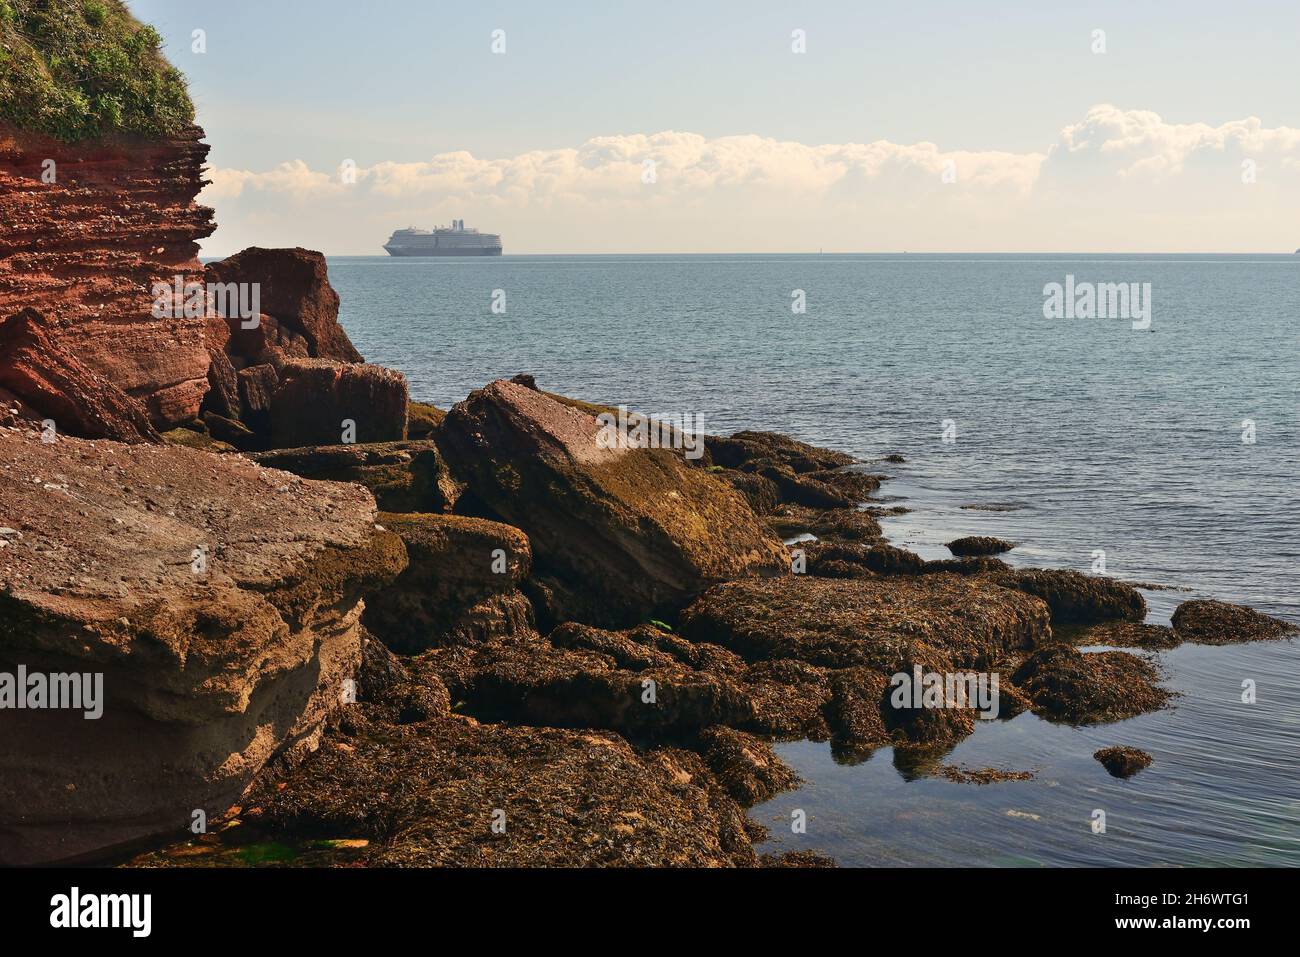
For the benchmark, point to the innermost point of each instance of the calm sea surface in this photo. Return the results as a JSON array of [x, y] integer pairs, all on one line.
[[1105, 437]]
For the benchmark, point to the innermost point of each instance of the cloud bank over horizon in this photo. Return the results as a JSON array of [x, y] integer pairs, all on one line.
[[1118, 180]]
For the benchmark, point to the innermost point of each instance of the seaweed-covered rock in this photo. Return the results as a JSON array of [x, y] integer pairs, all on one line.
[[855, 710], [875, 622], [852, 483], [1209, 622], [972, 565], [529, 680], [917, 723], [404, 476], [884, 559], [797, 859], [460, 586], [1123, 762], [1065, 684], [847, 559], [1075, 597], [960, 774], [788, 698], [979, 545], [830, 525], [635, 531], [746, 447], [219, 601], [645, 647], [833, 559], [804, 489], [452, 792], [642, 682], [1011, 700], [761, 492], [394, 693], [1122, 634], [422, 419], [745, 766], [381, 672]]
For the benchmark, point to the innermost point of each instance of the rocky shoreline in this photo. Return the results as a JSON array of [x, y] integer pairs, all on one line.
[[479, 636], [335, 626], [541, 652]]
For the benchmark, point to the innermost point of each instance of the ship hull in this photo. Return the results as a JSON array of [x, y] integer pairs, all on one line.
[[443, 253]]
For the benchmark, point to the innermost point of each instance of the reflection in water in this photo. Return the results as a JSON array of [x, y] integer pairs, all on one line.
[[1224, 789], [1104, 438]]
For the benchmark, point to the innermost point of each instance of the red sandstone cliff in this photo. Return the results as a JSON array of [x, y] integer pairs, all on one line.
[[86, 250]]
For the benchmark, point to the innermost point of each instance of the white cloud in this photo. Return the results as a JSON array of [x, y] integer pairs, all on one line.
[[1180, 183], [293, 177], [1133, 142], [611, 166]]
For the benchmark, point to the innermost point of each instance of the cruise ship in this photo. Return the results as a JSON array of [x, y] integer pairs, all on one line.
[[453, 240]]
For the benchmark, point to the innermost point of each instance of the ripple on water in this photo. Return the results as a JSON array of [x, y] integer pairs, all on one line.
[[1110, 440], [1224, 789]]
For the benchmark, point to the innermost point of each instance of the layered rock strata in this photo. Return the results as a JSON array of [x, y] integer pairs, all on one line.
[[220, 603], [89, 229]]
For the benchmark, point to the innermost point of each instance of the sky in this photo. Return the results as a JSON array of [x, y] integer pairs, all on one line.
[[692, 127]]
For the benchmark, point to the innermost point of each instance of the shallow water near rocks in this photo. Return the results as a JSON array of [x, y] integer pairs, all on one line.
[[1224, 789], [1108, 438]]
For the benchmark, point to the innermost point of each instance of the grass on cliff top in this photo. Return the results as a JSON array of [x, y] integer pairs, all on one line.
[[83, 69]]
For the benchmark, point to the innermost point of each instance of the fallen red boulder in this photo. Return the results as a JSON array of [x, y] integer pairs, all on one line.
[[36, 368]]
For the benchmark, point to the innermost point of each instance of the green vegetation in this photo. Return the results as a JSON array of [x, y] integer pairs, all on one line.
[[82, 69], [270, 852]]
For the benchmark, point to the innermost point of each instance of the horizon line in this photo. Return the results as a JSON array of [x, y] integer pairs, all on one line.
[[538, 255]]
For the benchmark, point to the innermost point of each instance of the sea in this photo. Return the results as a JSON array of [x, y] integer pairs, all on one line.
[[1161, 441]]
